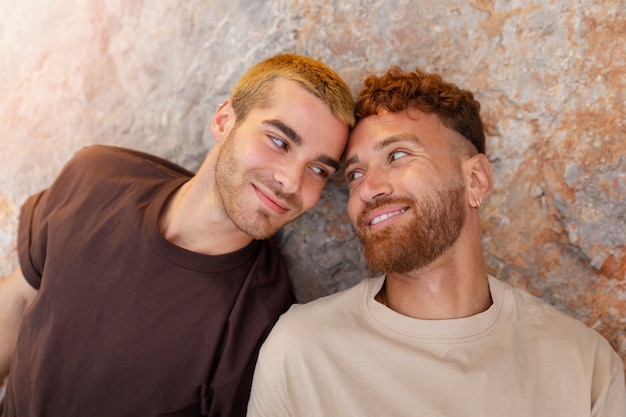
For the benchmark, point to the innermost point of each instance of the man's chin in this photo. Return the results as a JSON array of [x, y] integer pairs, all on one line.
[[381, 257], [259, 231], [389, 266], [259, 234]]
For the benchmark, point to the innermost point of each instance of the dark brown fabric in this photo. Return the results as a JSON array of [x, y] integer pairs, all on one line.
[[125, 323]]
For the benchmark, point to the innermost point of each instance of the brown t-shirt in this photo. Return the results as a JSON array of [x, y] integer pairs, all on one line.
[[125, 323]]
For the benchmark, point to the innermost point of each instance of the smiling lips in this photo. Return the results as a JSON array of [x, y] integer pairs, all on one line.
[[274, 205], [375, 217]]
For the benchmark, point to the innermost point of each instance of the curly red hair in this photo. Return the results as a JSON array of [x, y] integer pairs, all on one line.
[[397, 90]]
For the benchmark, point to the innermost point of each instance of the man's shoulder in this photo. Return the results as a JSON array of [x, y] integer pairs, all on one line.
[[306, 327], [530, 302], [98, 173], [105, 155], [333, 309], [330, 303], [540, 314]]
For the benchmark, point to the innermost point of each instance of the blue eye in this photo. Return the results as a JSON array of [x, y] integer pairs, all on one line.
[[397, 155], [353, 175], [279, 142], [321, 172]]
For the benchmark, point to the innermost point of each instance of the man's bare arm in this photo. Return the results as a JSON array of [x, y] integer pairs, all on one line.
[[15, 295]]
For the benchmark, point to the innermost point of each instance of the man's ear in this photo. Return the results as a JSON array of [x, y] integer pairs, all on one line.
[[223, 120], [479, 179]]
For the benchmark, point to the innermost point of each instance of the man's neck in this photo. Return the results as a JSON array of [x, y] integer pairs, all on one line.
[[192, 219], [444, 290]]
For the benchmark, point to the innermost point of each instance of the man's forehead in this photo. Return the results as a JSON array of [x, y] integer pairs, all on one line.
[[371, 130]]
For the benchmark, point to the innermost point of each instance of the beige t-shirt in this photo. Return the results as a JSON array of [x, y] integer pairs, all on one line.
[[348, 355]]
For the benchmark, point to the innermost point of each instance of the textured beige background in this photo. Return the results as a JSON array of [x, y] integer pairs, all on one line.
[[149, 74]]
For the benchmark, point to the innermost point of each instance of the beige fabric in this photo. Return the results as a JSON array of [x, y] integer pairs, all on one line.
[[348, 355]]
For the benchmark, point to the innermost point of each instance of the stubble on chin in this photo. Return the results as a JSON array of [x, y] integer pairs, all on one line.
[[253, 218]]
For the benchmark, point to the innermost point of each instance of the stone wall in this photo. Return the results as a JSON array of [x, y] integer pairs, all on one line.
[[149, 74]]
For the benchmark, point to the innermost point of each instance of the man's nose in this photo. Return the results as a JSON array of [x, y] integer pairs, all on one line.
[[289, 177], [376, 184]]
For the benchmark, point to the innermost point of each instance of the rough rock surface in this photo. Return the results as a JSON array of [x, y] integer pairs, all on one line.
[[148, 75]]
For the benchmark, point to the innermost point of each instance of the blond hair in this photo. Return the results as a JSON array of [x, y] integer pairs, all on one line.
[[254, 88]]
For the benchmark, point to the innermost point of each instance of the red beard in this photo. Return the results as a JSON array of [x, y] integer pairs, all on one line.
[[436, 223]]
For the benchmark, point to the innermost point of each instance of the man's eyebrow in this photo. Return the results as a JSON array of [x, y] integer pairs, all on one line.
[[286, 130], [398, 138], [352, 160], [297, 140], [331, 162]]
